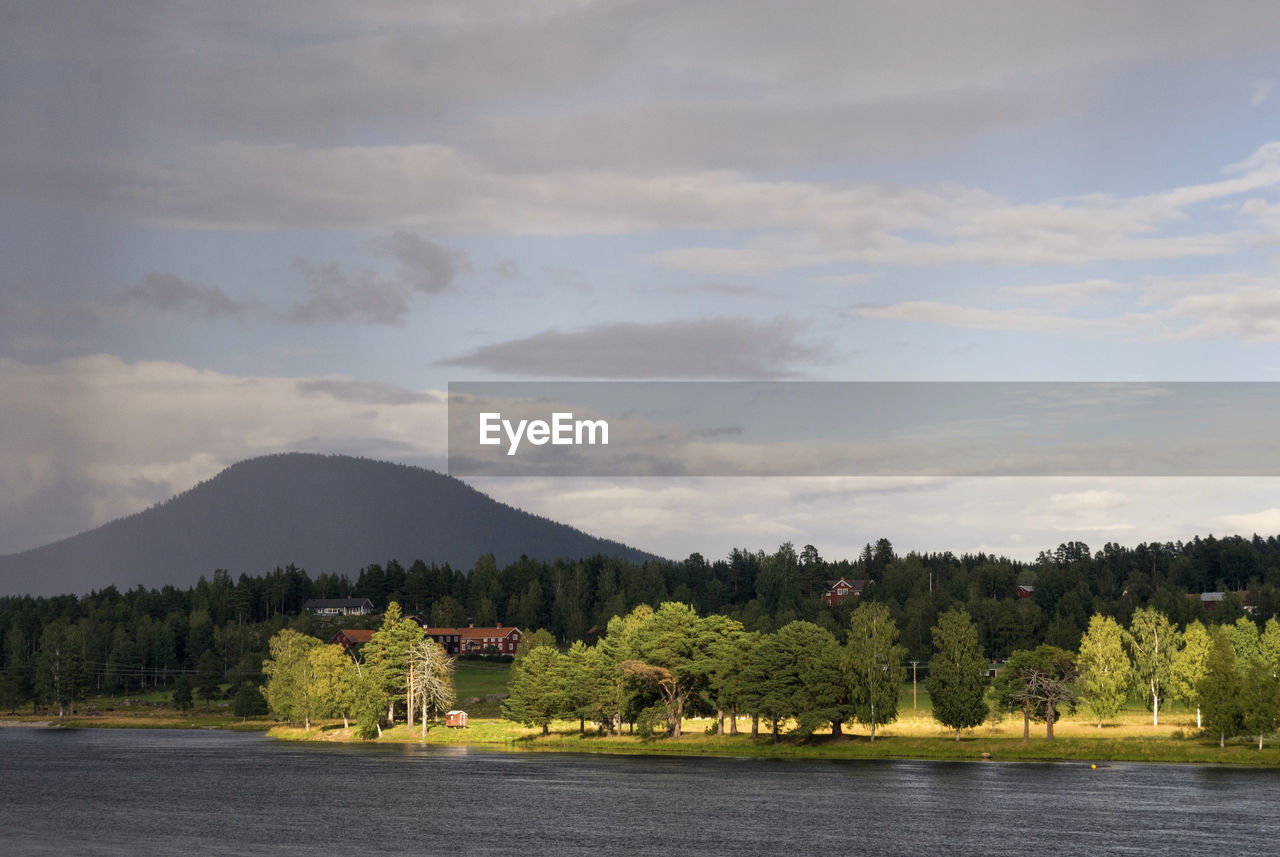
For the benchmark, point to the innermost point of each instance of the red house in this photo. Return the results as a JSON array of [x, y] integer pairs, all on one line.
[[456, 719], [350, 638], [476, 641], [839, 590]]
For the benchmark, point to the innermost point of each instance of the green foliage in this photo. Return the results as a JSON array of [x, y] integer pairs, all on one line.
[[209, 677], [332, 676], [1152, 641], [1189, 666], [956, 673], [673, 654], [248, 701], [288, 671], [531, 640], [536, 694], [182, 694], [1260, 700], [386, 655], [60, 667], [1042, 681], [582, 685], [1220, 689], [369, 702], [873, 666], [1106, 674]]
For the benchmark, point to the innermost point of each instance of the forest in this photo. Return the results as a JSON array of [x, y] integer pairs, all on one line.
[[219, 629]]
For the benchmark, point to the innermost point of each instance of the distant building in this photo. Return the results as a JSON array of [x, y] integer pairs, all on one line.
[[339, 606], [1211, 600], [351, 638], [839, 590], [1026, 590], [456, 719], [476, 641]]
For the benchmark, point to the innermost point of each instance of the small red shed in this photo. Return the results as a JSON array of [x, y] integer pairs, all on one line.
[[456, 719]]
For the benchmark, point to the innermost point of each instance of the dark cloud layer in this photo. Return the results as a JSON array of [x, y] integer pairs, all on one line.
[[709, 348]]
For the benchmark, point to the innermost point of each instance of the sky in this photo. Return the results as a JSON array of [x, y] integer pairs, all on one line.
[[232, 229]]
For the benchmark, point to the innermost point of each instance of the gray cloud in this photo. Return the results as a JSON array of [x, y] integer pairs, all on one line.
[[707, 348], [334, 295], [424, 264], [170, 293]]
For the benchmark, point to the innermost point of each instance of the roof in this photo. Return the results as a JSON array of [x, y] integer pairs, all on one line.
[[852, 584], [322, 603], [356, 636]]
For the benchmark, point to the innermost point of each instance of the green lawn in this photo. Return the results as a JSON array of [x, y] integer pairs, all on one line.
[[477, 680]]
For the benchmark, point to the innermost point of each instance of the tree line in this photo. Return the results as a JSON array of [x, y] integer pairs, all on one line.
[[217, 630], [654, 668]]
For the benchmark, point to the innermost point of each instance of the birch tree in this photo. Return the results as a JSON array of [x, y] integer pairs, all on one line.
[[1106, 675], [1189, 666], [289, 687], [1219, 690], [1152, 641], [873, 666]]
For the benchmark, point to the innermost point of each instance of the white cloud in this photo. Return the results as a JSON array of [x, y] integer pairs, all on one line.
[[1020, 320], [840, 514], [1266, 522]]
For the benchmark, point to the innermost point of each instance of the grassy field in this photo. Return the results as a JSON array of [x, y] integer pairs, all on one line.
[[915, 735]]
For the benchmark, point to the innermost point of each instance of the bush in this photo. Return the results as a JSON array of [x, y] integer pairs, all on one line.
[[182, 694], [249, 701]]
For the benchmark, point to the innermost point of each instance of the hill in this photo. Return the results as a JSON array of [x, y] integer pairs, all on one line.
[[322, 513]]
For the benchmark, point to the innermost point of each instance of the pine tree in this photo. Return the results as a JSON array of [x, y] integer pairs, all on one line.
[[536, 692], [182, 694]]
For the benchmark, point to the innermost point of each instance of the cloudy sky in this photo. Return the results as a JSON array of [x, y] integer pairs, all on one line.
[[229, 229]]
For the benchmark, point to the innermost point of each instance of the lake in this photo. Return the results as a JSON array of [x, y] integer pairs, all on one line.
[[132, 792]]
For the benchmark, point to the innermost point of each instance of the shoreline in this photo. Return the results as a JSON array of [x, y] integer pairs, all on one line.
[[973, 748], [503, 736]]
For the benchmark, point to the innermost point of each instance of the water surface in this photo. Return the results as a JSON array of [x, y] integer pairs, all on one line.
[[131, 792]]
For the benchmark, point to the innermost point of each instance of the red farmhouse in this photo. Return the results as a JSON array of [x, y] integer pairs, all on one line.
[[839, 590], [476, 641]]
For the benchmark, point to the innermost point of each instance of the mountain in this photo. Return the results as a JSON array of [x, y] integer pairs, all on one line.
[[322, 513]]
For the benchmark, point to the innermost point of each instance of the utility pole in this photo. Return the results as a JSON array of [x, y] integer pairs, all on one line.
[[913, 685]]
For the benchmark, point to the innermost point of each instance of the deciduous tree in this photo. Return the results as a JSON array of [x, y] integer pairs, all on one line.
[[1045, 683], [431, 679], [1220, 689], [1189, 666], [288, 672], [1152, 640], [956, 673], [1106, 674], [873, 666]]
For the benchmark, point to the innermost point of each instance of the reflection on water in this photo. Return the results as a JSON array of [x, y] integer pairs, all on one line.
[[170, 792]]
